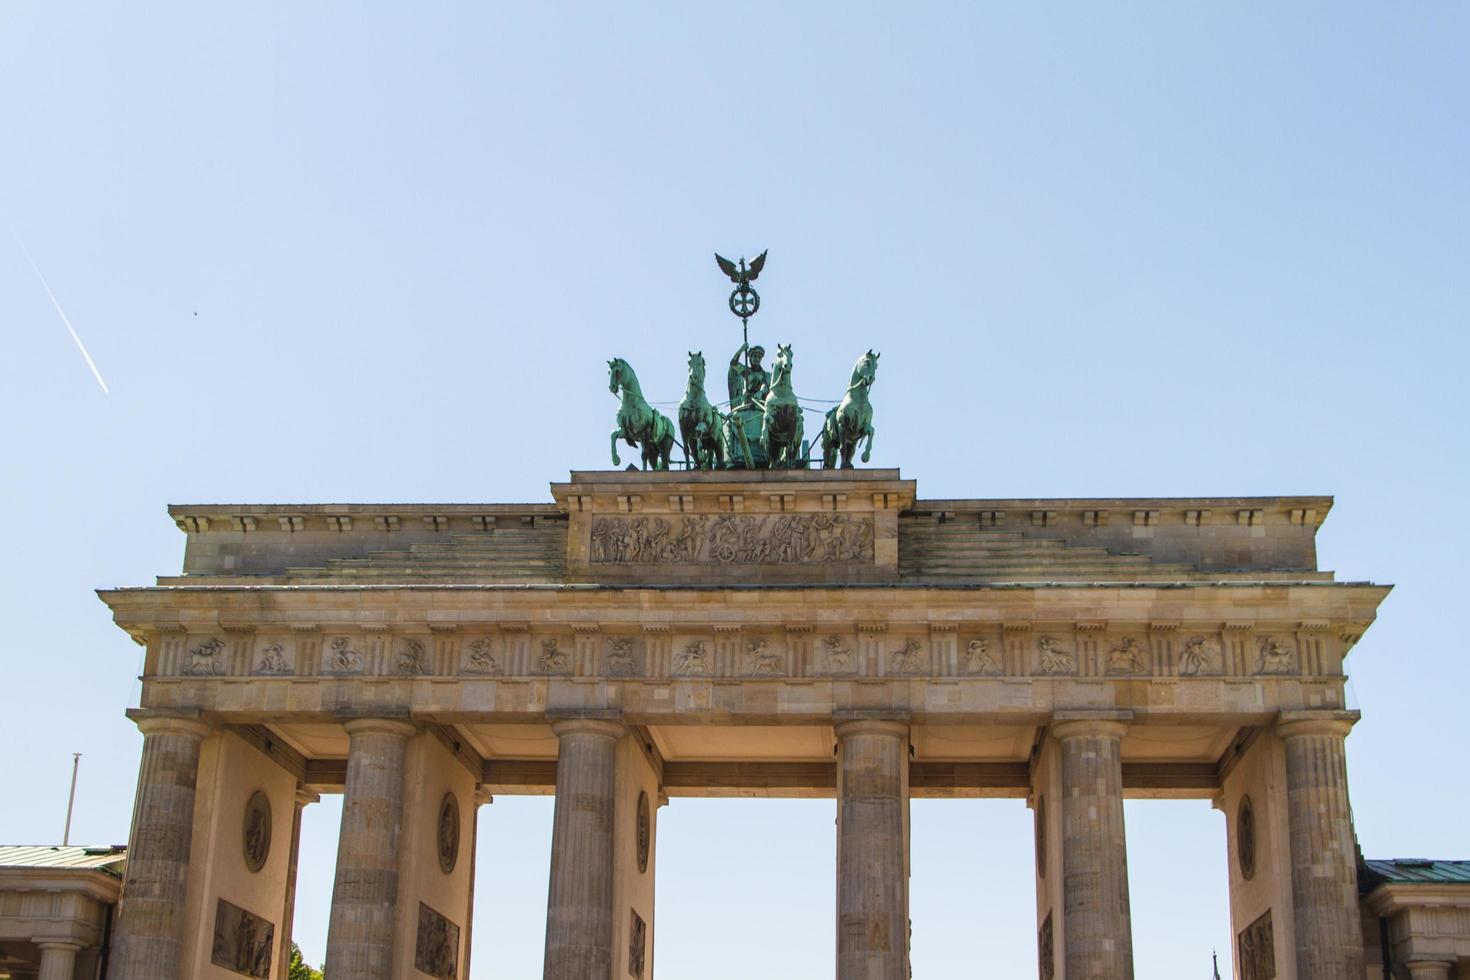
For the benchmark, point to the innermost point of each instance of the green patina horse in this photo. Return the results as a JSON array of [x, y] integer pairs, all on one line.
[[638, 423], [846, 424], [699, 422], [781, 423]]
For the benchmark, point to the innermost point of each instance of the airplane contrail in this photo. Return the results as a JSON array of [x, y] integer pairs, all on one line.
[[60, 312]]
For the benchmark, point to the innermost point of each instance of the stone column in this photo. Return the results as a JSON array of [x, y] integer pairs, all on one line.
[[482, 797], [1324, 871], [872, 850], [148, 943], [58, 960], [579, 913], [304, 797], [1430, 969], [1098, 933], [365, 892]]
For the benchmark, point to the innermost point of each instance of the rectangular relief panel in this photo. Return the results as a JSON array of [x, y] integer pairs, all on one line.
[[436, 947], [243, 941]]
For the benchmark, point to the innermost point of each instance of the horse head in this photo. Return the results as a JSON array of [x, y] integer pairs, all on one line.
[[781, 366], [615, 369], [696, 367], [865, 371]]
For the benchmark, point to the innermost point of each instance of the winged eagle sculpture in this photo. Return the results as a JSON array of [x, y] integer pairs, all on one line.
[[742, 275]]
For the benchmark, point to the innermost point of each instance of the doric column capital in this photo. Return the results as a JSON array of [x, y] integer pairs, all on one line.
[[1292, 724], [1430, 969], [383, 726], [305, 797], [606, 727], [872, 726], [1089, 724], [61, 945], [156, 721]]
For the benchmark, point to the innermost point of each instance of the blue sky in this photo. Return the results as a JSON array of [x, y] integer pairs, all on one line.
[[371, 252]]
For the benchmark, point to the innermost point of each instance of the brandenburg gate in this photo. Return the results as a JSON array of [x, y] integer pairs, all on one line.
[[717, 632]]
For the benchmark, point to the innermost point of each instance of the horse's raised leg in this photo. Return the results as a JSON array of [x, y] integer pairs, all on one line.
[[616, 435], [868, 449]]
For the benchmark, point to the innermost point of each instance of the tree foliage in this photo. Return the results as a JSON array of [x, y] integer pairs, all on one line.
[[298, 970]]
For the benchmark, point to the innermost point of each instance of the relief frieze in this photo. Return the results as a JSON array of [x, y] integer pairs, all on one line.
[[1127, 657], [207, 659], [1275, 657], [733, 539], [1201, 655], [619, 658], [482, 659], [553, 659], [911, 658], [273, 660], [1053, 657], [693, 660], [837, 656], [760, 659], [980, 658]]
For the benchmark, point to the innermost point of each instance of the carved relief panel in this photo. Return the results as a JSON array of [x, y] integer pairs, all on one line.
[[732, 539], [1201, 654], [243, 941], [982, 656], [637, 945], [273, 656], [483, 654], [1256, 950], [1054, 656], [256, 835], [436, 946], [622, 656]]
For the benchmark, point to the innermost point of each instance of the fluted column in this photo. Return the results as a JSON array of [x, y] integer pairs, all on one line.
[[365, 892], [58, 960], [149, 939], [1098, 925], [872, 850], [579, 913], [1324, 870], [304, 797], [1429, 969]]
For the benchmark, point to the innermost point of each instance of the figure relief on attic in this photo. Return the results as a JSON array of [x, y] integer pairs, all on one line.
[[482, 660], [979, 659], [693, 660], [760, 659], [553, 659], [1127, 657], [411, 657], [620, 660], [342, 658], [1275, 657], [273, 660], [836, 654], [1054, 658], [1200, 655], [732, 539], [908, 659], [207, 659]]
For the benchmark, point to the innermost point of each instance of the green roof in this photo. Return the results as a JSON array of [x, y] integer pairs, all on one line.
[[105, 859], [1417, 871]]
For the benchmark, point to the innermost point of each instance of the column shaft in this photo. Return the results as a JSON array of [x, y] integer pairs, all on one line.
[[872, 850], [1324, 872], [149, 940], [365, 893], [1098, 924], [288, 911], [58, 961], [579, 913]]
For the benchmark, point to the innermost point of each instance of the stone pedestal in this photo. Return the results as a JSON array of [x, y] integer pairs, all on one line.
[[1098, 933], [58, 961], [872, 850], [1324, 877], [365, 893], [149, 937], [579, 906]]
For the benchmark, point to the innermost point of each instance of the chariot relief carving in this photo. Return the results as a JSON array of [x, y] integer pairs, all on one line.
[[243, 942], [908, 659], [482, 659], [341, 658], [1127, 657], [619, 658], [273, 660], [1200, 655], [1275, 657], [410, 657], [553, 659], [693, 660], [1054, 658], [760, 659], [436, 948], [979, 659], [207, 659], [732, 539]]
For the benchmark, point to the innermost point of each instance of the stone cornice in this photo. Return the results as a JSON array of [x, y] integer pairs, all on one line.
[[1303, 510]]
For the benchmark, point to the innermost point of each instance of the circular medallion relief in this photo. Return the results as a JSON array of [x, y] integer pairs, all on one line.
[[645, 832], [1041, 836], [448, 833], [1245, 837], [257, 831]]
